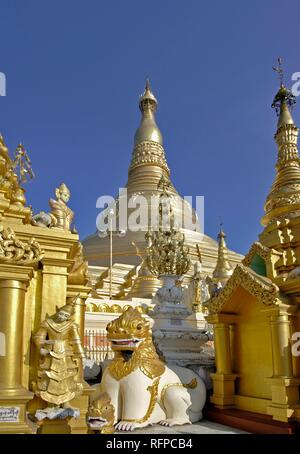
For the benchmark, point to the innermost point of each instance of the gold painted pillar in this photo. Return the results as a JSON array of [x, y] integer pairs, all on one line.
[[14, 280], [222, 348], [54, 289], [281, 339], [82, 402], [82, 292], [223, 379], [284, 386]]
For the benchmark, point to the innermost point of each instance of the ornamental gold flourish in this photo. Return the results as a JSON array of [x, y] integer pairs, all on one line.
[[191, 385], [261, 288], [153, 399], [259, 249], [149, 153], [13, 250]]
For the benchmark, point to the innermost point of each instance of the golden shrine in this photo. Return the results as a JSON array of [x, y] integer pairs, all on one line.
[[39, 271], [256, 316]]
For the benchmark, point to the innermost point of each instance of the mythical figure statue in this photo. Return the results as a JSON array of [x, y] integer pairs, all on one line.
[[61, 215], [78, 272], [143, 390], [101, 416], [60, 370]]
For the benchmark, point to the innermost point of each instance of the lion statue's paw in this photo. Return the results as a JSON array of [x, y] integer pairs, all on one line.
[[126, 426], [173, 422]]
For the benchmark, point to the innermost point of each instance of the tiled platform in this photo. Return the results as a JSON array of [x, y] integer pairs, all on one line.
[[203, 427]]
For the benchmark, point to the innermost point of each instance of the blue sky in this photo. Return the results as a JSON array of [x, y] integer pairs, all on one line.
[[74, 72]]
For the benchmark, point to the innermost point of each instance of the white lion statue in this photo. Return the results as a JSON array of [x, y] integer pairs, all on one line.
[[143, 390]]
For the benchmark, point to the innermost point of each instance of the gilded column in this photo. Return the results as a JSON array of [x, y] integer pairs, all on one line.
[[282, 355], [223, 379], [82, 402], [55, 272], [222, 348], [13, 396], [79, 290], [284, 386]]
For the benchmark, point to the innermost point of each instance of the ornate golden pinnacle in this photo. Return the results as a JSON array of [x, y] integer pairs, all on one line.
[[22, 165], [166, 252]]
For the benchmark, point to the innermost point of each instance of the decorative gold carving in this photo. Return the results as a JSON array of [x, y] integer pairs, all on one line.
[[101, 416], [258, 249], [101, 308], [153, 389], [78, 274], [92, 307], [22, 165], [166, 252], [58, 342], [114, 309], [191, 385], [132, 328], [149, 153], [15, 251], [260, 287]]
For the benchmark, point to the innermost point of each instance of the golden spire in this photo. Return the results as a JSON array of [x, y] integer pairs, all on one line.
[[284, 197], [148, 129], [223, 269], [148, 161]]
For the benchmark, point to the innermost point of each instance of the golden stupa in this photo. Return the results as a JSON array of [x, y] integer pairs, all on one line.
[[147, 169]]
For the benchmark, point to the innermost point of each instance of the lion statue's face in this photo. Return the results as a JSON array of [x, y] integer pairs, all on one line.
[[101, 413], [128, 331]]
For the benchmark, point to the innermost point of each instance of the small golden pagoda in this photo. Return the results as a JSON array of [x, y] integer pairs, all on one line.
[[256, 315], [223, 269]]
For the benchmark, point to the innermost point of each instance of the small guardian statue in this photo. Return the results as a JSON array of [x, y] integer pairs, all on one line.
[[59, 376]]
